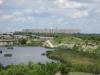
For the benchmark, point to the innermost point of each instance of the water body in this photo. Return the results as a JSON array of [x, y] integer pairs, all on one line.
[[23, 55]]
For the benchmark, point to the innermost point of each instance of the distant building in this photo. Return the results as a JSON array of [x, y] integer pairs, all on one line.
[[21, 37], [52, 30], [45, 38], [6, 40]]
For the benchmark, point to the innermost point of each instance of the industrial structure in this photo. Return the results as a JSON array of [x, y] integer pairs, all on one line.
[[52, 30], [6, 40]]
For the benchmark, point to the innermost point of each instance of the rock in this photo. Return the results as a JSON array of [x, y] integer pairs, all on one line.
[[58, 73]]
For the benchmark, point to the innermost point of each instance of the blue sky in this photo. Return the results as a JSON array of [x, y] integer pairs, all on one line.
[[28, 14]]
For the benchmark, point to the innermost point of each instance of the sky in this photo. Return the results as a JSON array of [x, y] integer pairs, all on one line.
[[66, 14]]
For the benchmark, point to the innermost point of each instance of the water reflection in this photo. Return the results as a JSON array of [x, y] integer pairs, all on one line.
[[0, 51]]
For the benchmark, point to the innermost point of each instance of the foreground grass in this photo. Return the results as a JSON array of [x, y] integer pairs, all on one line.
[[46, 69], [78, 61], [33, 69], [42, 69], [79, 73]]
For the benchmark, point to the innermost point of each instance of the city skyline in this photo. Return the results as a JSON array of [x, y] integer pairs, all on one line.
[[52, 30], [16, 15]]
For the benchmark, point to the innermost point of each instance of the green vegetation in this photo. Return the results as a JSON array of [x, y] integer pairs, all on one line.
[[80, 50], [49, 69], [22, 41], [34, 42], [80, 61], [30, 42], [34, 69], [79, 54]]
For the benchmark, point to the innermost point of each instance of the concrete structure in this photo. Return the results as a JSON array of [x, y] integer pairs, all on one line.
[[6, 40], [21, 37], [52, 30]]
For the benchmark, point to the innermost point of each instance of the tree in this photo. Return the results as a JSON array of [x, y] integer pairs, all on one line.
[[22, 41]]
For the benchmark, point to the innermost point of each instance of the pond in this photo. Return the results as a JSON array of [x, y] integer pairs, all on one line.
[[23, 55]]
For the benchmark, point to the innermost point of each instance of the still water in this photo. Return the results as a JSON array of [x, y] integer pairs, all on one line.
[[23, 55]]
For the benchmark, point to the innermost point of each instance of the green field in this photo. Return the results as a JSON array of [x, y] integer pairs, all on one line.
[[77, 54], [74, 57], [78, 61]]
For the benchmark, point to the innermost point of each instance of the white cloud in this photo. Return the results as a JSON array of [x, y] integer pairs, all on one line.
[[6, 17], [22, 2], [68, 4], [1, 2], [24, 20], [28, 10], [20, 19], [1, 13], [80, 14], [17, 13], [96, 0], [23, 12], [11, 16]]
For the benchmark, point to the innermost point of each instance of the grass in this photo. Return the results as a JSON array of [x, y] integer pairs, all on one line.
[[73, 57], [30, 69], [79, 73], [68, 39], [77, 61]]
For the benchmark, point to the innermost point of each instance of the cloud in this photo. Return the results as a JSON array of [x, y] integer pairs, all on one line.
[[1, 13], [28, 10], [60, 13], [1, 2], [68, 4], [80, 14], [24, 20], [16, 14], [10, 16], [96, 0], [22, 2], [6, 17]]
